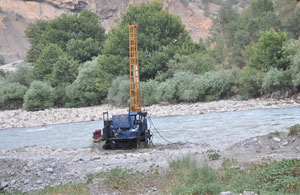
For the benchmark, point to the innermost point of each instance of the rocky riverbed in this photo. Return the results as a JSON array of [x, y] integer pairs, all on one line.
[[21, 118], [33, 168]]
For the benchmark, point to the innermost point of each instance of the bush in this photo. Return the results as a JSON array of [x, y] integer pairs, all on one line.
[[249, 82], [294, 130], [217, 85], [118, 93], [39, 96], [166, 91], [295, 71], [182, 82], [86, 90], [148, 92], [2, 60], [60, 96], [64, 71], [189, 179], [197, 64], [11, 95], [22, 75], [275, 80]]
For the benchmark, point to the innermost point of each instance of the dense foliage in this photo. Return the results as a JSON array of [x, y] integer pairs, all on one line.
[[250, 53], [84, 90], [39, 96], [160, 36], [11, 95], [75, 34]]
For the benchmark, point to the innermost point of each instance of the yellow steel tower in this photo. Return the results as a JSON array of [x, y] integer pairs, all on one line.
[[135, 92]]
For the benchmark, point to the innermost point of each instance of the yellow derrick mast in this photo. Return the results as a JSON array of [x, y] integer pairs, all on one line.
[[135, 91]]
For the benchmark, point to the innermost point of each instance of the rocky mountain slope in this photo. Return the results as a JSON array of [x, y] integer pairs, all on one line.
[[15, 15]]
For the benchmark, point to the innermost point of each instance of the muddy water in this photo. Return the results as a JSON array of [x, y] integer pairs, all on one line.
[[213, 128]]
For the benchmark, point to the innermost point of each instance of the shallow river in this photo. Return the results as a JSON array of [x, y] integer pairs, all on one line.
[[213, 128]]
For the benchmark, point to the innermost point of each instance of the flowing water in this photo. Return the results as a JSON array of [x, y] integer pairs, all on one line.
[[213, 128]]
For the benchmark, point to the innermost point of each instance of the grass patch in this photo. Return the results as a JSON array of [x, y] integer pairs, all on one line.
[[128, 180], [294, 130], [186, 177], [76, 189]]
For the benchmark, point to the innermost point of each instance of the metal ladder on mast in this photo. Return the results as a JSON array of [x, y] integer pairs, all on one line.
[[135, 91]]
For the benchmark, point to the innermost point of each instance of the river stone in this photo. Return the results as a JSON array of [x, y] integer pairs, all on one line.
[[248, 193], [39, 181], [226, 193], [285, 143], [49, 170], [53, 165], [4, 184], [26, 181], [276, 139], [12, 182]]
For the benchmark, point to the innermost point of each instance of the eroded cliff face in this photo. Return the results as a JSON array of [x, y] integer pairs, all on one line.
[[15, 15]]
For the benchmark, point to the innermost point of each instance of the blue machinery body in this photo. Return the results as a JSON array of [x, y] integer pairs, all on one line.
[[126, 130]]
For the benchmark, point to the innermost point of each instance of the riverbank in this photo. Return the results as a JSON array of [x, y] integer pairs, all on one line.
[[33, 168], [21, 118]]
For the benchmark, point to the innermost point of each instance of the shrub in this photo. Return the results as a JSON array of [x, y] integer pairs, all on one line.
[[295, 70], [85, 90], [11, 95], [294, 130], [182, 82], [249, 82], [166, 91], [217, 85], [64, 71], [2, 60], [190, 179], [22, 75], [119, 93], [280, 176], [39, 96], [60, 96], [196, 63], [148, 92], [276, 80]]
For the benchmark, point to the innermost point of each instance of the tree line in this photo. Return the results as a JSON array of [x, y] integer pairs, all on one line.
[[72, 62]]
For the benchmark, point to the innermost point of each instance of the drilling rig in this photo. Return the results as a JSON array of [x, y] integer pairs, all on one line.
[[126, 131]]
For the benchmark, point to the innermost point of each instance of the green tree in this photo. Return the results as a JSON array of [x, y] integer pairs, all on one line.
[[160, 35], [43, 68], [64, 71], [197, 64], [268, 51], [82, 30], [83, 50], [89, 88], [292, 25]]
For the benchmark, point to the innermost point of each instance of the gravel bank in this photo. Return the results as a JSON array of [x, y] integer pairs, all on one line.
[[33, 168], [21, 118]]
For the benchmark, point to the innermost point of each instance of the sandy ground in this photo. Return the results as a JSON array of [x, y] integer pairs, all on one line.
[[33, 168], [21, 118]]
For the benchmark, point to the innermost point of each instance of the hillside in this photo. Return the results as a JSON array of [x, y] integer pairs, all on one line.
[[15, 15]]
